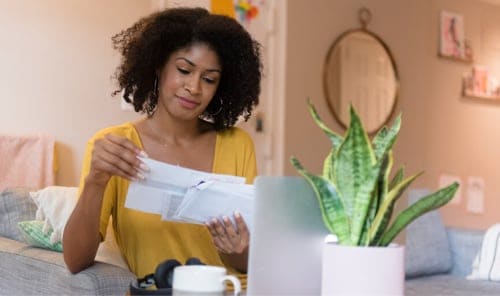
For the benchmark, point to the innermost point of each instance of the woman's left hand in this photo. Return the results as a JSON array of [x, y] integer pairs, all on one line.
[[229, 238]]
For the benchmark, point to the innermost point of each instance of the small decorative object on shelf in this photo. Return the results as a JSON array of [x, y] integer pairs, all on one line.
[[478, 83], [452, 43]]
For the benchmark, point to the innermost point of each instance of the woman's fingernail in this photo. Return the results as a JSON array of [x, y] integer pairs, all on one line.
[[237, 214], [144, 167], [225, 218], [142, 153], [140, 176]]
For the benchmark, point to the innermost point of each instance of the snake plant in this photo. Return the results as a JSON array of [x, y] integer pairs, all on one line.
[[354, 191]]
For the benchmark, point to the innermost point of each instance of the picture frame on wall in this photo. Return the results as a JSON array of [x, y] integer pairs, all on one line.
[[479, 83], [452, 42]]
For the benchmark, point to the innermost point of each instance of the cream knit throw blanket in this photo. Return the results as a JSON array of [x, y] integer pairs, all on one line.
[[486, 265]]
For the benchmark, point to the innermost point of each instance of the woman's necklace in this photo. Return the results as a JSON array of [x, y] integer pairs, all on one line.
[[164, 145]]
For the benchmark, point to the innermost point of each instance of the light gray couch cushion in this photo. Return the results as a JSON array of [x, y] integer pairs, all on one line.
[[465, 245], [16, 205], [26, 270], [427, 247], [445, 284]]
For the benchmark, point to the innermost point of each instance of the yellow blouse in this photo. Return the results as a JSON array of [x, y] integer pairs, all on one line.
[[144, 239]]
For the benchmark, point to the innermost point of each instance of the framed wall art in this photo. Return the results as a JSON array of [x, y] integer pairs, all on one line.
[[479, 83], [452, 43]]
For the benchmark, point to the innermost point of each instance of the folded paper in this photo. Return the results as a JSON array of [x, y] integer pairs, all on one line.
[[181, 194]]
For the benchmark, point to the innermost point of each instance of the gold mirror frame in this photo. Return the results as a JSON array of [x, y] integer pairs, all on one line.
[[364, 18]]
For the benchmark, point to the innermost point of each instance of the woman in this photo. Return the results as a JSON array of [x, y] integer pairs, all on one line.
[[193, 74]]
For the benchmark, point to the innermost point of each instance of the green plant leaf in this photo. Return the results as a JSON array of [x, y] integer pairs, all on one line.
[[385, 139], [355, 174], [378, 195], [332, 209], [372, 211], [363, 240], [383, 180], [353, 164], [381, 134], [362, 201], [424, 205], [328, 166], [355, 195], [385, 211], [334, 138], [397, 178]]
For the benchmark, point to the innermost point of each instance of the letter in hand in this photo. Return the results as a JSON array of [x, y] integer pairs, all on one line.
[[229, 238], [116, 156]]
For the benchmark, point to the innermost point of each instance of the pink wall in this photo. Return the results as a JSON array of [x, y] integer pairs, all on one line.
[[56, 66], [56, 62], [464, 134], [442, 131]]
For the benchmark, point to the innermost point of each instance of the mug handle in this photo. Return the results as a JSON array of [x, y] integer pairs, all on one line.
[[235, 281]]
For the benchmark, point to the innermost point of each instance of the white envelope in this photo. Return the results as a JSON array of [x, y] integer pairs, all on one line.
[[215, 199], [165, 186]]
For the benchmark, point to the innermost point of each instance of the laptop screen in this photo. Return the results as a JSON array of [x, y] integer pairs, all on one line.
[[287, 239]]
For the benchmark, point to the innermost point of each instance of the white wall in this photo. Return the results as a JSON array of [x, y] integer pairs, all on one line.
[[56, 65]]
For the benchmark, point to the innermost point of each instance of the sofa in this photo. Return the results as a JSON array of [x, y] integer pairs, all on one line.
[[30, 270], [463, 246], [438, 259]]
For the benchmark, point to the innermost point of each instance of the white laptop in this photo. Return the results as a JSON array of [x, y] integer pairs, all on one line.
[[287, 239]]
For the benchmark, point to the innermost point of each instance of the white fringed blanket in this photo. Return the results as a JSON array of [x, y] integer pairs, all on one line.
[[486, 265]]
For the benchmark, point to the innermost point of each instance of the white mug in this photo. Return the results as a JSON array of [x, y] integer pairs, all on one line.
[[202, 280]]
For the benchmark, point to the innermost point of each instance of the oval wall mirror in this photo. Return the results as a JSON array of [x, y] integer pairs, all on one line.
[[359, 69]]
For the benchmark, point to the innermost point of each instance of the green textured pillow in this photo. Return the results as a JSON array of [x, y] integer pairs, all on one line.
[[34, 235]]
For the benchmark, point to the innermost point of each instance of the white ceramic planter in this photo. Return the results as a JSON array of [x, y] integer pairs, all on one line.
[[362, 270]]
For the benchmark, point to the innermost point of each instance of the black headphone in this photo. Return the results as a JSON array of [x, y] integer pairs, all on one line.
[[162, 278]]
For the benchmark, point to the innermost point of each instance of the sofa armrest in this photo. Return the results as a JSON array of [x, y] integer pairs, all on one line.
[[28, 270], [465, 245]]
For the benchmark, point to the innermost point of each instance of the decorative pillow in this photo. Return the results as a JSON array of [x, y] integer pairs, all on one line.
[[427, 246], [15, 206], [34, 235], [55, 204]]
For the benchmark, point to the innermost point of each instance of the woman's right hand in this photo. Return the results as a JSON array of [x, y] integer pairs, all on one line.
[[112, 156], [115, 156]]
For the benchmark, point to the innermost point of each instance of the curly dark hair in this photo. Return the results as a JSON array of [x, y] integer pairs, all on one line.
[[147, 45]]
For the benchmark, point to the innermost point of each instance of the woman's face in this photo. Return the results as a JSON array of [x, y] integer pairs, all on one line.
[[188, 81]]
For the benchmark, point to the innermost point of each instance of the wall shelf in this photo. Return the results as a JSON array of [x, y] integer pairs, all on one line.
[[481, 96], [458, 59]]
